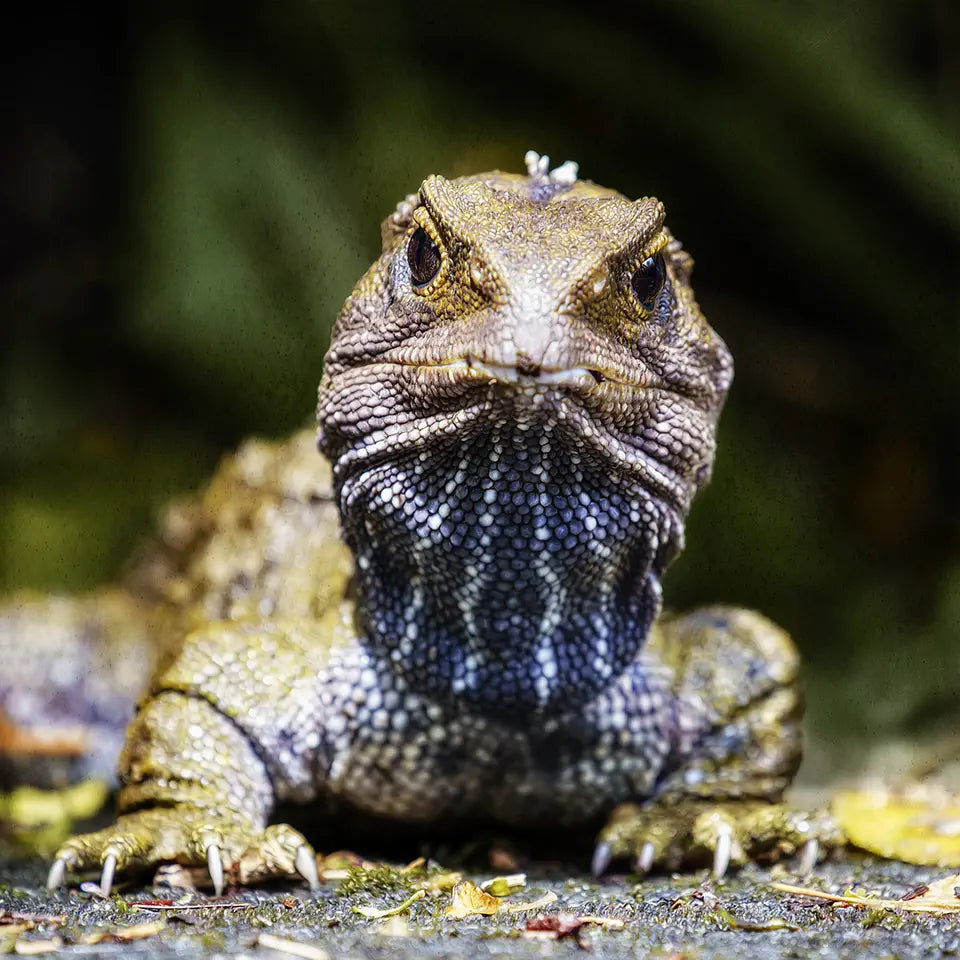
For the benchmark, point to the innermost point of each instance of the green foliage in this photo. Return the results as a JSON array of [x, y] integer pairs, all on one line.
[[808, 154]]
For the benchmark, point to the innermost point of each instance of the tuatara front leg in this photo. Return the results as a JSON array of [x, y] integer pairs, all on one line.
[[226, 732], [194, 792], [738, 711]]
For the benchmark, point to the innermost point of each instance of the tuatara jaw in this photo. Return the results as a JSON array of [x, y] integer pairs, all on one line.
[[524, 376]]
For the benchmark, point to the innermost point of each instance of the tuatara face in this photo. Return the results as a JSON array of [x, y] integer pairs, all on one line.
[[520, 401]]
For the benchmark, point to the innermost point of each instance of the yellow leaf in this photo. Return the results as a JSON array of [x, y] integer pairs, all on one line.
[[439, 881], [137, 931], [547, 898], [919, 824], [31, 807], [371, 913], [33, 948], [467, 899], [503, 886]]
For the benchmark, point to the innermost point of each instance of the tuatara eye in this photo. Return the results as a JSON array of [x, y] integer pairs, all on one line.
[[423, 255], [648, 281]]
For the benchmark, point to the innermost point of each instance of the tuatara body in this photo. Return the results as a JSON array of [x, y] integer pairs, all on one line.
[[455, 610]]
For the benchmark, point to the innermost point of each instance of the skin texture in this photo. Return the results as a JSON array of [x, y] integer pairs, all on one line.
[[455, 612]]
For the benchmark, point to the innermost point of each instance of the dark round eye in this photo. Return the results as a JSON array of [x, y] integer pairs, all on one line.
[[423, 255], [648, 281]]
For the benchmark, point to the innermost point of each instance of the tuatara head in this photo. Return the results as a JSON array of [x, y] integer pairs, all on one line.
[[520, 401]]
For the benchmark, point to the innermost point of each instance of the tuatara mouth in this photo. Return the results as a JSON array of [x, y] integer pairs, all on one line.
[[526, 375]]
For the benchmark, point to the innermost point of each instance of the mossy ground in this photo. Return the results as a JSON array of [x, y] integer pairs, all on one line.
[[664, 916]]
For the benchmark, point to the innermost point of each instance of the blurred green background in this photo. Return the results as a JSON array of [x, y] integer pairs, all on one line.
[[187, 193]]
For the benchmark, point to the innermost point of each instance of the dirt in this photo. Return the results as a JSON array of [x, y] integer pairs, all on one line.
[[688, 916]]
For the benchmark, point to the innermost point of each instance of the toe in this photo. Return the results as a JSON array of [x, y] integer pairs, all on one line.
[[280, 851], [809, 854], [722, 850], [305, 863], [716, 832], [601, 858], [215, 868], [57, 874], [107, 872], [645, 857]]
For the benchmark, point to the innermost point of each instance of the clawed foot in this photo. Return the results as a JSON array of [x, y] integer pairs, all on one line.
[[230, 849], [728, 834]]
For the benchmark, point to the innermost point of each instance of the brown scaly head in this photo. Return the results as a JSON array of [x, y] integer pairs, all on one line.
[[520, 401]]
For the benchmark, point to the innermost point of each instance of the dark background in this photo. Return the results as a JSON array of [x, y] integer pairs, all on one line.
[[187, 193]]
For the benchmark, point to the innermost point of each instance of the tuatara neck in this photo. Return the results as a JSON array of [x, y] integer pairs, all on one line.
[[500, 570]]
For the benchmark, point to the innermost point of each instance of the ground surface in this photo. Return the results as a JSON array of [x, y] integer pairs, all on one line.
[[678, 916]]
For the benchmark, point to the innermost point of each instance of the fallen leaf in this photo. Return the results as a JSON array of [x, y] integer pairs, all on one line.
[[467, 899], [548, 898], [371, 913], [342, 859], [939, 899], [503, 886], [31, 807], [13, 924], [161, 905], [33, 948], [19, 917], [340, 864], [292, 947], [918, 824], [439, 881], [138, 931], [557, 925]]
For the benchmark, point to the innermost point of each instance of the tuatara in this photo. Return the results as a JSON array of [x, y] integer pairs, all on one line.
[[455, 611]]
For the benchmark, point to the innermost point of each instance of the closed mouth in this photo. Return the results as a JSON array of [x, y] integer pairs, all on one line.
[[527, 375]]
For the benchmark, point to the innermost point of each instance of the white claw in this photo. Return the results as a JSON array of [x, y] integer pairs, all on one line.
[[808, 856], [644, 860], [306, 865], [106, 877], [722, 851], [57, 872], [601, 859], [215, 867]]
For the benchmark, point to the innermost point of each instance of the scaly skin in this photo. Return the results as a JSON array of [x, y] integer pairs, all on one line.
[[462, 617]]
